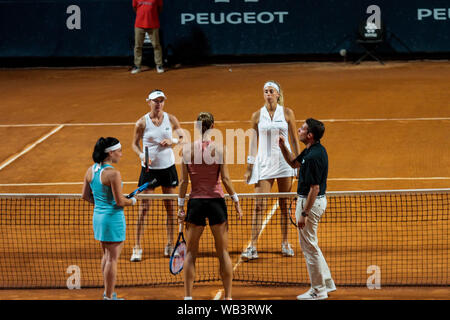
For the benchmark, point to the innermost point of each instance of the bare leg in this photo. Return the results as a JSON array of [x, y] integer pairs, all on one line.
[[263, 186], [220, 233], [143, 210], [170, 206], [193, 234], [112, 252], [284, 185], [104, 258]]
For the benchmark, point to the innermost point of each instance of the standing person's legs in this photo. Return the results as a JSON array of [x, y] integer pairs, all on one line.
[[263, 186], [284, 185], [157, 50], [112, 252], [143, 210], [104, 258], [220, 233], [193, 234], [139, 36], [170, 206], [315, 262]]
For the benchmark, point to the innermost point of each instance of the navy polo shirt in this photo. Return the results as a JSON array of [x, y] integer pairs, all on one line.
[[313, 169]]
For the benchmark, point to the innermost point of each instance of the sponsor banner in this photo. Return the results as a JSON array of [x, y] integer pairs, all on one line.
[[198, 28]]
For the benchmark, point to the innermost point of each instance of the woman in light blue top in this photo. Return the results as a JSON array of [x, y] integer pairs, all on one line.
[[103, 187]]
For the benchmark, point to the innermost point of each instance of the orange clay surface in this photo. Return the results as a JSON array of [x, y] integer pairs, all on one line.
[[387, 127]]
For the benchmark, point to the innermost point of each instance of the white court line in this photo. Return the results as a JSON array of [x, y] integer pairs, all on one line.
[[29, 147], [24, 184], [218, 295], [217, 122]]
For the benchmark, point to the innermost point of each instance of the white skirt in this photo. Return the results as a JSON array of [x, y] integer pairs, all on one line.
[[270, 170]]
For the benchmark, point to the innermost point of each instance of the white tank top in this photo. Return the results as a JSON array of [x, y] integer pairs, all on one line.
[[161, 157], [270, 159]]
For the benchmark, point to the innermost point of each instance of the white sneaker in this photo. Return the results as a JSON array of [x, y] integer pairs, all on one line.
[[159, 69], [249, 254], [137, 255], [135, 70], [330, 285], [113, 297], [312, 294], [286, 250], [168, 250]]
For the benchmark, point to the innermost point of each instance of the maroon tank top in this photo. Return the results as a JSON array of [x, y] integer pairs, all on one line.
[[205, 178]]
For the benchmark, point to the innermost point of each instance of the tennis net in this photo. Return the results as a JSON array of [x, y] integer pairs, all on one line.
[[46, 241]]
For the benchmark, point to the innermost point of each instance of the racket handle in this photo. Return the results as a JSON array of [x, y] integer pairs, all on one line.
[[180, 228], [146, 159]]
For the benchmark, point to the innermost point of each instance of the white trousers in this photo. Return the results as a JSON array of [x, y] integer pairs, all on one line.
[[319, 273]]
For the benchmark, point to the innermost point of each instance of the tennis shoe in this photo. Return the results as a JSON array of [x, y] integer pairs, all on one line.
[[168, 250], [312, 294], [286, 250], [135, 70], [249, 254], [113, 297], [159, 69], [137, 255]]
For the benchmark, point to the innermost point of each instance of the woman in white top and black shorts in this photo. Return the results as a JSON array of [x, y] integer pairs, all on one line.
[[266, 163], [155, 130]]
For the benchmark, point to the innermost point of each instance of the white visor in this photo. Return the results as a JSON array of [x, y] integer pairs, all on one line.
[[113, 148], [273, 85], [156, 94]]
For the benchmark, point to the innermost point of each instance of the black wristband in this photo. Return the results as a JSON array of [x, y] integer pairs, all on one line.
[[304, 214]]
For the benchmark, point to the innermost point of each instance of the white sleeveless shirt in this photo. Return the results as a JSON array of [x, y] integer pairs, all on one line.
[[269, 162], [161, 157]]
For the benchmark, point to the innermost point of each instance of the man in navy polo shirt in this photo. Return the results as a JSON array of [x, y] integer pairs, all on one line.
[[312, 184]]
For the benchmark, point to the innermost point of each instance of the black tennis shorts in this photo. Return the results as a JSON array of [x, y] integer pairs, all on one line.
[[198, 209], [159, 177]]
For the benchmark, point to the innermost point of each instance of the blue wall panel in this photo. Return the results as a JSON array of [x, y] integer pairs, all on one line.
[[220, 27]]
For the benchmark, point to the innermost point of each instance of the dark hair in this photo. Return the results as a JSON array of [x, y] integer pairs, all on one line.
[[206, 120], [99, 154], [316, 127]]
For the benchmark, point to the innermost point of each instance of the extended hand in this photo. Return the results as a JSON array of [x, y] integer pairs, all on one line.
[[166, 143], [181, 215], [238, 210]]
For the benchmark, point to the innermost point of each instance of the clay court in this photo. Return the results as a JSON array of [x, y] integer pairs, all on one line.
[[387, 128]]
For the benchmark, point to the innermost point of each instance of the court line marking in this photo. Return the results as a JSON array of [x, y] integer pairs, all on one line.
[[39, 184], [269, 216], [217, 122], [29, 147]]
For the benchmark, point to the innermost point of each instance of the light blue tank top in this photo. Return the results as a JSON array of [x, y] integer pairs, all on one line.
[[103, 197]]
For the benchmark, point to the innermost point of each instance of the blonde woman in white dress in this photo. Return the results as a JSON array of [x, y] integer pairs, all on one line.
[[266, 163]]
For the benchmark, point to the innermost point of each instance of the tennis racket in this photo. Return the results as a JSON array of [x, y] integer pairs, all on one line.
[[138, 190], [146, 159], [176, 262], [291, 211]]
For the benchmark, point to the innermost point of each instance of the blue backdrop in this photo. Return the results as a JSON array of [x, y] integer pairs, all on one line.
[[105, 28]]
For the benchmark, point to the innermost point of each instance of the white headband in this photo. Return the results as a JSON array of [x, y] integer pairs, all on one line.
[[113, 148], [272, 84], [156, 94]]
